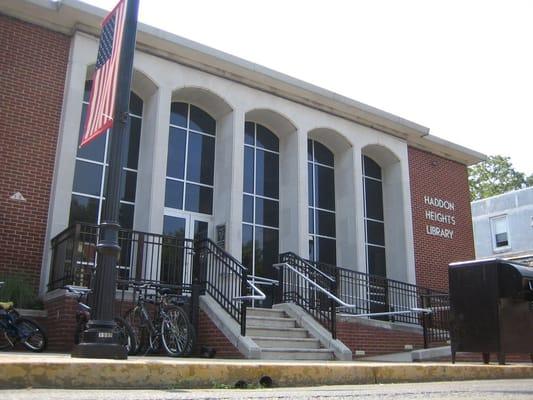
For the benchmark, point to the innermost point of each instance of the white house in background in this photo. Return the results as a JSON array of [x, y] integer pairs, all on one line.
[[503, 225]]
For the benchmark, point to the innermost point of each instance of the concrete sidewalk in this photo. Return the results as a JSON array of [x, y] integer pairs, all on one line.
[[20, 370]]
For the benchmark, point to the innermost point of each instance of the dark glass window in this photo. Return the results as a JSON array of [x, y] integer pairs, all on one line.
[[248, 209], [266, 212], [174, 226], [325, 188], [374, 199], [260, 179], [371, 168], [267, 174], [374, 220], [174, 194], [198, 149], [88, 176], [178, 114], [199, 199], [201, 121], [176, 153], [83, 209], [200, 159], [321, 197]]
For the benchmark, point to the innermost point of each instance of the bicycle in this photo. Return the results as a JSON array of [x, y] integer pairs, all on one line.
[[169, 327], [15, 329], [83, 315]]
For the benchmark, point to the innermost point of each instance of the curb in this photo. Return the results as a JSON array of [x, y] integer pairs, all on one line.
[[142, 373]]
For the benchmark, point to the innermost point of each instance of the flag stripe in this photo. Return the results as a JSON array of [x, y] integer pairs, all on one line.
[[100, 111]]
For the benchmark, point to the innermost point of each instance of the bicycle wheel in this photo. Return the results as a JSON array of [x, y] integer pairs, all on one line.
[[175, 331], [139, 328], [5, 340], [126, 335], [31, 335]]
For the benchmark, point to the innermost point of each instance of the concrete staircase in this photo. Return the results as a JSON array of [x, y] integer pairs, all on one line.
[[281, 338]]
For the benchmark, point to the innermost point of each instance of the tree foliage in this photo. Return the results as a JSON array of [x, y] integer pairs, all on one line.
[[495, 176]]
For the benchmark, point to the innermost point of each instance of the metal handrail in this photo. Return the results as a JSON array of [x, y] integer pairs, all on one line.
[[259, 296], [344, 304]]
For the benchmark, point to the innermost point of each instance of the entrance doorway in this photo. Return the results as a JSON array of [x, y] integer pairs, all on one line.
[[182, 230]]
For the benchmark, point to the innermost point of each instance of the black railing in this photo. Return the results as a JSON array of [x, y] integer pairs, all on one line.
[[294, 288], [224, 278], [144, 257], [437, 324], [374, 296]]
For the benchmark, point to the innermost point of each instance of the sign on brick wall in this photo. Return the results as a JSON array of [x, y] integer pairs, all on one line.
[[440, 217]]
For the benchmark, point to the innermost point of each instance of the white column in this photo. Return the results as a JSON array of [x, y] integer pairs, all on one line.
[[359, 212]]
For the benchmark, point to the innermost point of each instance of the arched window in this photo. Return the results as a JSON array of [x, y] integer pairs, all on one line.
[[321, 196], [88, 189], [374, 220], [260, 229], [190, 159]]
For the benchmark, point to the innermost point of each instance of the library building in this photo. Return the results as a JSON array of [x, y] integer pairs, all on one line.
[[289, 221]]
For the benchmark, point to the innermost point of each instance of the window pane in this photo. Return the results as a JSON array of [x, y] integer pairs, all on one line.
[[249, 134], [501, 239], [136, 104], [178, 114], [173, 226], [201, 121], [311, 220], [87, 91], [326, 250], [325, 188], [266, 212], [248, 183], [267, 174], [176, 153], [248, 209], [310, 185], [125, 216], [375, 232], [374, 199], [83, 209], [93, 150], [309, 150], [199, 199], [247, 246], [129, 185], [133, 141], [376, 261], [174, 194], [371, 168], [200, 230], [201, 158], [87, 178], [266, 251], [266, 139], [325, 223], [323, 155]]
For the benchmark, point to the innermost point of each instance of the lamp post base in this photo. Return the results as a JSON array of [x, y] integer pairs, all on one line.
[[101, 340]]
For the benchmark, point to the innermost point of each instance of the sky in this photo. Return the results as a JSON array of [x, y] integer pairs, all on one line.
[[464, 69]]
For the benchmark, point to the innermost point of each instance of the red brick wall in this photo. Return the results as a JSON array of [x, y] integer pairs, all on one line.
[[375, 340], [33, 67], [61, 323], [434, 176], [209, 335]]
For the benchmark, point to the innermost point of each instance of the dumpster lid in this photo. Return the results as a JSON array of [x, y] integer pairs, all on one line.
[[525, 270]]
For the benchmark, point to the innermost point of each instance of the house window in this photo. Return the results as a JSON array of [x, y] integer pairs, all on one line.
[[500, 232]]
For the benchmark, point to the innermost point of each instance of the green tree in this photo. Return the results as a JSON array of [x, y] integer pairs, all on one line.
[[495, 176]]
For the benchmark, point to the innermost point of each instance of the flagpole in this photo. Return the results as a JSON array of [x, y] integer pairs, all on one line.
[[100, 340]]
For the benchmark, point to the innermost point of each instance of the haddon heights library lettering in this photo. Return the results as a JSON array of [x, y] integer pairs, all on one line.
[[441, 217], [291, 172]]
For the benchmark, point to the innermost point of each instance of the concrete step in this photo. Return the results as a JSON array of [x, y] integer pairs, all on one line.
[[265, 312], [271, 353], [286, 343], [276, 332], [269, 322]]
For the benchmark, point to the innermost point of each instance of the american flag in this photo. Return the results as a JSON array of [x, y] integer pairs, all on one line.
[[102, 99]]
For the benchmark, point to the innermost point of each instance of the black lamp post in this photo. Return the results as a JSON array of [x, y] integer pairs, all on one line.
[[101, 339]]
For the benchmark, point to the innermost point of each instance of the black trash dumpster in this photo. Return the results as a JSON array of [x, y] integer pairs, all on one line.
[[491, 308]]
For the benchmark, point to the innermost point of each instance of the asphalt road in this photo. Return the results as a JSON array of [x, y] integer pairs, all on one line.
[[493, 389]]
